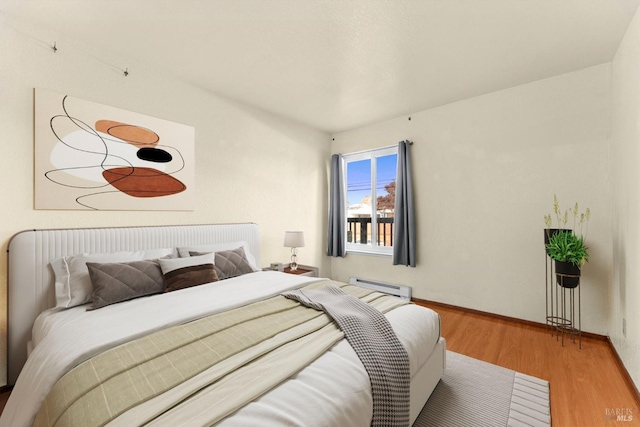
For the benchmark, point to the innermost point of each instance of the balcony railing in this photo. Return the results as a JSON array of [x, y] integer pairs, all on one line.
[[359, 231]]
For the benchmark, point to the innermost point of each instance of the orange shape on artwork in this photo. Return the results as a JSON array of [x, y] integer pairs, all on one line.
[[143, 182], [136, 135]]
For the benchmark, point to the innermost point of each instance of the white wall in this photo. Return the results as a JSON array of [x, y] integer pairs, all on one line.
[[251, 166], [625, 189], [485, 172]]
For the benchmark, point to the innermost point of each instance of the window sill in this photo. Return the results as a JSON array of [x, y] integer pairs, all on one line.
[[370, 252]]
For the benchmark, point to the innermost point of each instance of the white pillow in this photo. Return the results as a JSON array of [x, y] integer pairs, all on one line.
[[73, 285], [217, 247]]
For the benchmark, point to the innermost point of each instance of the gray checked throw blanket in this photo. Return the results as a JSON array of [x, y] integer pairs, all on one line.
[[376, 344]]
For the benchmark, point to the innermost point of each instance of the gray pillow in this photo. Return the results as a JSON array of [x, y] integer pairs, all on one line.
[[117, 282], [73, 284], [230, 263]]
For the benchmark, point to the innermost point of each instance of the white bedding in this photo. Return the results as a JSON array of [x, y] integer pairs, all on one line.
[[333, 390]]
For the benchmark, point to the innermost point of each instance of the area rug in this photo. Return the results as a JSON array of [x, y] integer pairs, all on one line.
[[476, 393]]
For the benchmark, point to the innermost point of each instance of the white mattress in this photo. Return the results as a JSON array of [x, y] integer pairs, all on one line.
[[333, 390]]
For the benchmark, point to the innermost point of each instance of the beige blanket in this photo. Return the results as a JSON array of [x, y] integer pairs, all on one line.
[[173, 376]]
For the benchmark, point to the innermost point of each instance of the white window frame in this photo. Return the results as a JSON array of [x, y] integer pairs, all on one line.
[[362, 248]]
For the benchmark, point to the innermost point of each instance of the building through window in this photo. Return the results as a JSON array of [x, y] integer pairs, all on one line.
[[370, 184]]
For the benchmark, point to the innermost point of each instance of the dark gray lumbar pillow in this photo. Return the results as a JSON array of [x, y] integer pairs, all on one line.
[[117, 282], [229, 263], [233, 263]]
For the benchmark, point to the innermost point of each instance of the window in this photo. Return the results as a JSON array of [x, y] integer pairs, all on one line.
[[370, 183]]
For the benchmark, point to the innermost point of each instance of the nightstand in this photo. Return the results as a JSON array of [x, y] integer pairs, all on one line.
[[303, 270]]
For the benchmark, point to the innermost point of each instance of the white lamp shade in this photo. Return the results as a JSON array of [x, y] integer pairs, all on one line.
[[293, 239]]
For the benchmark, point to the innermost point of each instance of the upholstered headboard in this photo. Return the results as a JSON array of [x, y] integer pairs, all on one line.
[[30, 280]]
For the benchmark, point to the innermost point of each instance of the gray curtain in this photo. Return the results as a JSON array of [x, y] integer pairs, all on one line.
[[404, 235], [337, 212]]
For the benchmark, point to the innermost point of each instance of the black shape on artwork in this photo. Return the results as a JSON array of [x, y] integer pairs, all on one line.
[[154, 155]]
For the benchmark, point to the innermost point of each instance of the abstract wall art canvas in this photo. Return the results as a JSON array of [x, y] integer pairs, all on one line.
[[90, 156]]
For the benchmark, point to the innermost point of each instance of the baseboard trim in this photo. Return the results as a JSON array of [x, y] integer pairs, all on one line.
[[502, 317], [623, 369], [625, 372], [5, 388]]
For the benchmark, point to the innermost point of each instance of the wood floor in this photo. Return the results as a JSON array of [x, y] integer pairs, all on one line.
[[587, 386]]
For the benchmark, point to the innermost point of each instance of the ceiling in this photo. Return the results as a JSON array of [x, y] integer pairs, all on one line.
[[341, 64]]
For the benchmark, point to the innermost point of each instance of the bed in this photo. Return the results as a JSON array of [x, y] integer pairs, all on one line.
[[45, 341]]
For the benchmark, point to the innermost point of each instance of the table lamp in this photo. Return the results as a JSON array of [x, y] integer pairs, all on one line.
[[293, 240]]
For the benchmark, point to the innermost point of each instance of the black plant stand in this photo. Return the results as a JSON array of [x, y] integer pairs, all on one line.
[[562, 315]]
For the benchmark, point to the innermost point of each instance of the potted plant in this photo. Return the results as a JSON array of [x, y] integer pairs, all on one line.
[[569, 253], [565, 246]]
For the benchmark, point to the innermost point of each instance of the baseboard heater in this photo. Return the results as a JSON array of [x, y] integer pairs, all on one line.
[[401, 291]]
